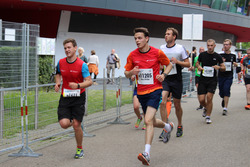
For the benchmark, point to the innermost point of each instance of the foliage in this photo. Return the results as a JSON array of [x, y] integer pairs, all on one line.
[[244, 45], [45, 69]]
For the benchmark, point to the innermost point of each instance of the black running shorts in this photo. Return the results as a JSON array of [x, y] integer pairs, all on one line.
[[207, 86], [72, 107]]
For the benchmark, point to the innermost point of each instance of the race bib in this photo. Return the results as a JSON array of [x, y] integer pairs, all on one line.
[[145, 76], [228, 66], [238, 64], [173, 70], [71, 93], [198, 72], [248, 71], [208, 71]]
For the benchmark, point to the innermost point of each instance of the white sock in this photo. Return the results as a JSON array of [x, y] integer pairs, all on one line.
[[147, 149], [208, 117], [224, 108], [167, 127]]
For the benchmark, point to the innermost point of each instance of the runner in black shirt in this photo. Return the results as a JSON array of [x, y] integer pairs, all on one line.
[[210, 62]]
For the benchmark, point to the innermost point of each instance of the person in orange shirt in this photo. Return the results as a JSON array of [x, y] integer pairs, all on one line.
[[144, 62]]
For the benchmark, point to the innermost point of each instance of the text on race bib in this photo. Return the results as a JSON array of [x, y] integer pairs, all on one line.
[[173, 70], [228, 66], [208, 71], [145, 77], [71, 93]]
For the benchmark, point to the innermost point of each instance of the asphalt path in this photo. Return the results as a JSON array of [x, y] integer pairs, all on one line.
[[224, 143]]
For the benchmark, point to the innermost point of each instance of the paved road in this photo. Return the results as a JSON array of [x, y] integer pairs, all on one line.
[[224, 143]]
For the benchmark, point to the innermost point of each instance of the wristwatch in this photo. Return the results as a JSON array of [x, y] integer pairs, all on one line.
[[78, 85], [165, 75]]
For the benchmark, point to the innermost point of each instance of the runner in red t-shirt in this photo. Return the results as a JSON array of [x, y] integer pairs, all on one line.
[[75, 75], [144, 62]]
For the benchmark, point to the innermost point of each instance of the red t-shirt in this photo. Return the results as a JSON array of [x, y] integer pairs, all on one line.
[[72, 72], [149, 65]]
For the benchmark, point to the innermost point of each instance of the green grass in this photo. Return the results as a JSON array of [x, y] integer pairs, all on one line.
[[47, 108]]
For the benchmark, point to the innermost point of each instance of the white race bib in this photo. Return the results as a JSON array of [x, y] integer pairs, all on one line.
[[145, 76], [173, 70], [228, 66], [248, 71], [71, 93], [208, 71], [238, 64]]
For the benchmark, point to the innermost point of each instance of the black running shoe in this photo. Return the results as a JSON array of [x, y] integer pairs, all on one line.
[[179, 132], [224, 112]]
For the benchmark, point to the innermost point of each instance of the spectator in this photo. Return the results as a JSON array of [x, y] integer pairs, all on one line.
[[93, 65], [81, 55], [110, 65]]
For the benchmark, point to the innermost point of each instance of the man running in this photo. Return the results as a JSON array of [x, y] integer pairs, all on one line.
[[208, 62], [226, 78], [144, 62], [173, 81], [246, 77], [75, 75]]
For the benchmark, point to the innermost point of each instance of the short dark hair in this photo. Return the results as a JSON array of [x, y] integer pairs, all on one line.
[[174, 31], [194, 48], [73, 41], [142, 30]]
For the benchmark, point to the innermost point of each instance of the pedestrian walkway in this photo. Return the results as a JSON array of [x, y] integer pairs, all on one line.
[[224, 143]]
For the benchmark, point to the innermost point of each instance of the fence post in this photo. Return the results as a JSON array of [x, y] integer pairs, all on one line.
[[104, 90], [1, 113], [120, 85], [36, 107]]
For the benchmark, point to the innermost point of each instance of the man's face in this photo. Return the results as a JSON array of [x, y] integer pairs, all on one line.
[[140, 40], [169, 36], [226, 46], [201, 50], [248, 54], [210, 47], [69, 49]]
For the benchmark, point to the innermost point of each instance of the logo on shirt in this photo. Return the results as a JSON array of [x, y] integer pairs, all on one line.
[[214, 58], [73, 71]]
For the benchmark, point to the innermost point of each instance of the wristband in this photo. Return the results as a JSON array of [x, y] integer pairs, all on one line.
[[78, 85]]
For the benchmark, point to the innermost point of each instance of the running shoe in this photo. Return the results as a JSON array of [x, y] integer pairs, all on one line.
[[179, 132], [199, 108], [79, 153], [138, 122], [204, 112], [208, 120], [161, 135], [144, 158], [166, 135], [144, 127], [224, 112], [222, 103], [247, 107]]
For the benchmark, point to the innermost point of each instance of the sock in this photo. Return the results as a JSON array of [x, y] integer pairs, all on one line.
[[147, 149], [80, 147], [207, 117], [167, 127], [201, 106], [224, 108], [168, 106]]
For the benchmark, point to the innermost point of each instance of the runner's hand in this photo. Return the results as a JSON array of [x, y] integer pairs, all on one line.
[[160, 77]]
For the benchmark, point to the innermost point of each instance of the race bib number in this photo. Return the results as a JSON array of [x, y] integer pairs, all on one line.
[[71, 93], [208, 71], [248, 71], [173, 70], [145, 77], [228, 66]]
